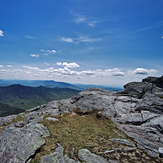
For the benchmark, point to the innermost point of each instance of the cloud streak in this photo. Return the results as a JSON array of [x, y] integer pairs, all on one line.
[[64, 39], [83, 19]]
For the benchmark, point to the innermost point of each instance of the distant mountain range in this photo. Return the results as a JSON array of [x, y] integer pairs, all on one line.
[[54, 84], [19, 95], [25, 97]]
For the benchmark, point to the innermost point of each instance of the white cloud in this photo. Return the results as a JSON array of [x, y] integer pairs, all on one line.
[[68, 65], [51, 51], [45, 54], [59, 63], [9, 65], [42, 50], [118, 74], [69, 40], [142, 71], [34, 55], [88, 72], [107, 76], [1, 33]]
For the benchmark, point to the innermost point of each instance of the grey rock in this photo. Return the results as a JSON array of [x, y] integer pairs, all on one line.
[[148, 146], [128, 149], [133, 118], [88, 157], [151, 102], [109, 151], [57, 157], [158, 81], [123, 141], [136, 89], [18, 144], [155, 123], [7, 119], [137, 118], [52, 119], [160, 152]]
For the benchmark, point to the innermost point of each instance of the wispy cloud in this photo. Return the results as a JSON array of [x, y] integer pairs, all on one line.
[[30, 37], [9, 65], [81, 38], [83, 19], [69, 40], [1, 66], [34, 55], [1, 33], [48, 52], [85, 39], [51, 51]]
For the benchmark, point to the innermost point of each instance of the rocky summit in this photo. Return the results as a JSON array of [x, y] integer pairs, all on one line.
[[137, 111]]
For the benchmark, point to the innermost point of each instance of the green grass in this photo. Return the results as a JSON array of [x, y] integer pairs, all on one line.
[[90, 131]]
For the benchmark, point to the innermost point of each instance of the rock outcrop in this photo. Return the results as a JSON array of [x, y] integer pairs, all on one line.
[[137, 111]]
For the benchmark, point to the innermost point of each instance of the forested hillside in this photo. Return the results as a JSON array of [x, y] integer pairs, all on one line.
[[25, 97]]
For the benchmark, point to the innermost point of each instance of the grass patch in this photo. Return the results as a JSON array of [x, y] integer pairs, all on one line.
[[78, 131]]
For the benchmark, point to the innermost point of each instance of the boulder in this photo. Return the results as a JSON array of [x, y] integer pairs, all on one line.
[[18, 144], [150, 102], [88, 157], [158, 81], [57, 157]]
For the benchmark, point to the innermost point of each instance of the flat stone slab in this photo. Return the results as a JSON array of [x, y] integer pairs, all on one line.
[[88, 157], [123, 141], [52, 119], [18, 144]]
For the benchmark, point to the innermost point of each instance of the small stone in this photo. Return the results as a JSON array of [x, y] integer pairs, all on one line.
[[52, 119], [123, 141], [110, 151], [160, 152], [128, 149]]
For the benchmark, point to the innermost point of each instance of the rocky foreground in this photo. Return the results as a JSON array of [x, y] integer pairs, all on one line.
[[137, 111]]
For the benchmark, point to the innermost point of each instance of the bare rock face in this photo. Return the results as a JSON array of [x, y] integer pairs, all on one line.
[[137, 111], [18, 144], [86, 156]]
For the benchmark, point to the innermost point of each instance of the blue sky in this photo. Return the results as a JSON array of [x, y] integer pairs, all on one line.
[[107, 42]]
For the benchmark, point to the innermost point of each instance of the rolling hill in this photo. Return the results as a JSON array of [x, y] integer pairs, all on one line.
[[26, 97]]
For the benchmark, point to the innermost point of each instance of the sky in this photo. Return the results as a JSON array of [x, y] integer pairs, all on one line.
[[104, 42]]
